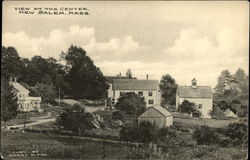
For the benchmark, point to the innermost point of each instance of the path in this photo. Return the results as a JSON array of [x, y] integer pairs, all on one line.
[[40, 121]]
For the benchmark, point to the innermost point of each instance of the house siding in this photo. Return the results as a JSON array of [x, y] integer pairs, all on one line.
[[156, 96], [153, 116], [207, 104]]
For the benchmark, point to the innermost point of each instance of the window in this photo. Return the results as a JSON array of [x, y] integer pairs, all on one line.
[[150, 101], [140, 93], [23, 95], [121, 93], [150, 93], [20, 95], [200, 106]]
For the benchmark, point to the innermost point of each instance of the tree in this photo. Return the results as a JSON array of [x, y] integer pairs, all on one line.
[[168, 90], [85, 79], [46, 91], [205, 135], [9, 104], [187, 107], [11, 64], [131, 104], [224, 81], [129, 74], [75, 119]]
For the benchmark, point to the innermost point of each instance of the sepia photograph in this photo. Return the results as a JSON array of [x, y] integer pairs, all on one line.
[[114, 80]]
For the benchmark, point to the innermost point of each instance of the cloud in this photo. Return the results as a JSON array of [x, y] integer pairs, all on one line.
[[125, 48]]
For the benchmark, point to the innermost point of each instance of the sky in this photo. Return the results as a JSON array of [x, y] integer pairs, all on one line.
[[183, 39]]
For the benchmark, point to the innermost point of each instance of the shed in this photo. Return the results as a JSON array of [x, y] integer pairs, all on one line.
[[158, 115]]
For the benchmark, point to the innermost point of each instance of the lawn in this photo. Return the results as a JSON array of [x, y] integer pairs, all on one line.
[[201, 121], [65, 147]]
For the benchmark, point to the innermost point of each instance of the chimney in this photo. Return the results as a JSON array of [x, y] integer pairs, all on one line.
[[15, 79], [10, 78], [147, 76], [120, 74]]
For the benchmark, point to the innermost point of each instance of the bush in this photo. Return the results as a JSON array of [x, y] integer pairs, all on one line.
[[118, 115], [205, 135], [237, 132], [75, 119], [145, 132]]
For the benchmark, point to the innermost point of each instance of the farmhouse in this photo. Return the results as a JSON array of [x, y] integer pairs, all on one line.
[[149, 89], [200, 95], [158, 116], [25, 102]]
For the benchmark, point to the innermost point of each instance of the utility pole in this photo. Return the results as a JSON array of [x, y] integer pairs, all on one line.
[[24, 121], [59, 97]]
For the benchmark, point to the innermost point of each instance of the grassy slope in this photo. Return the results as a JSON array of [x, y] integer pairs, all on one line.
[[69, 148]]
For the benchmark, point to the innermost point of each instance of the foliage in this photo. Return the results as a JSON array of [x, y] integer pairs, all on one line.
[[205, 135], [9, 104], [11, 64], [145, 132], [187, 107], [236, 85], [46, 91], [237, 132], [85, 79], [118, 115], [75, 119], [217, 113], [168, 88], [131, 104], [129, 74]]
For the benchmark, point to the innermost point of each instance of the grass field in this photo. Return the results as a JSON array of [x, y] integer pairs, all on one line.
[[57, 147], [201, 121]]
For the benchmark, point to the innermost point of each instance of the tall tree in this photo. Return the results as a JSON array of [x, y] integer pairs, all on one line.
[[224, 81], [9, 105], [46, 91], [129, 74], [85, 79], [168, 88], [11, 64]]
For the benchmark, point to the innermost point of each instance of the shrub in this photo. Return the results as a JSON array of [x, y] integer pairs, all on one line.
[[118, 115], [75, 119], [205, 135], [217, 113], [145, 132], [237, 132]]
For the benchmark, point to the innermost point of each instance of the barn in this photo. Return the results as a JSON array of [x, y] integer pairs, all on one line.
[[158, 115]]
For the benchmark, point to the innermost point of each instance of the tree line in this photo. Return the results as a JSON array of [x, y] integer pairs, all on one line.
[[79, 78]]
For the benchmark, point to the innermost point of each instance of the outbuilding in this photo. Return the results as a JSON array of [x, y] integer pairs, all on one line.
[[158, 116]]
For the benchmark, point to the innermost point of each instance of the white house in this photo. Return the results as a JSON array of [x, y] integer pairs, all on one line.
[[25, 102], [157, 115], [149, 89], [200, 95]]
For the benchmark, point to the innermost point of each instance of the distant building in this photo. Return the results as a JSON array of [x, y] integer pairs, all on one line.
[[149, 89], [157, 115], [25, 102], [202, 96]]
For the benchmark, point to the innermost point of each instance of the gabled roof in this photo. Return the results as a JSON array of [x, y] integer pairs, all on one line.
[[162, 110], [135, 84], [198, 92], [229, 113], [111, 78], [159, 109], [19, 87]]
